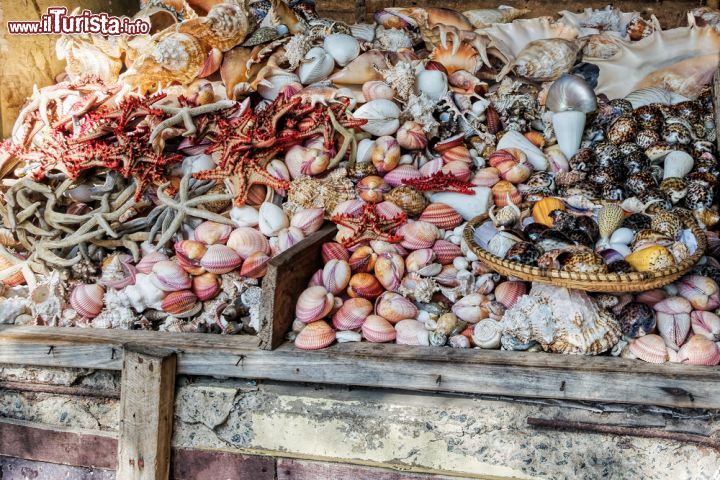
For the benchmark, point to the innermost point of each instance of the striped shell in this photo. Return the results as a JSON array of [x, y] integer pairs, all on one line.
[[394, 307], [364, 285], [313, 304], [146, 263], [407, 198], [169, 276], [255, 266], [706, 324], [210, 233], [650, 348], [701, 292], [314, 336], [418, 235], [446, 252], [508, 293], [699, 351], [188, 254], [389, 270], [441, 215], [336, 276], [352, 314], [334, 250], [246, 241], [206, 286], [411, 332], [220, 259], [486, 334], [395, 177], [308, 220], [179, 303], [674, 329], [417, 260], [87, 300], [362, 260], [504, 193], [376, 329]]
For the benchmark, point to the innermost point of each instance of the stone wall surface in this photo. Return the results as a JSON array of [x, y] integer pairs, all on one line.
[[422, 432]]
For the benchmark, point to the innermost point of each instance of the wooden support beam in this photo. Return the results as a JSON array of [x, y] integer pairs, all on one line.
[[146, 413]]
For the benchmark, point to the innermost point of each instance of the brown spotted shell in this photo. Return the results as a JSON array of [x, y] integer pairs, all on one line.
[[585, 261], [667, 223], [407, 198], [622, 130]]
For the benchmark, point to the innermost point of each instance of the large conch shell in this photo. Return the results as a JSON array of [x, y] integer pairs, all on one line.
[[225, 26], [484, 17], [431, 16], [512, 38], [591, 21], [681, 60], [544, 60], [92, 54]]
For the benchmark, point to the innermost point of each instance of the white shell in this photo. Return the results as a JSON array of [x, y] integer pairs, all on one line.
[[486, 334], [536, 157], [272, 219], [382, 116], [245, 216], [432, 83], [646, 96], [569, 128], [276, 83], [343, 48], [364, 32], [317, 66], [570, 92], [467, 206], [677, 164], [346, 336], [622, 235], [364, 150]]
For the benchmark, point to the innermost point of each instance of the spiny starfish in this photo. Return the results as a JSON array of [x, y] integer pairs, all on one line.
[[185, 116], [370, 225], [440, 182]]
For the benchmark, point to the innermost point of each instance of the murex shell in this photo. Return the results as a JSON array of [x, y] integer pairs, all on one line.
[[544, 60]]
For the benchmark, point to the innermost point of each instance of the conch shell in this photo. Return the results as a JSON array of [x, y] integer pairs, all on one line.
[[544, 60], [681, 60], [93, 54], [485, 17], [512, 38]]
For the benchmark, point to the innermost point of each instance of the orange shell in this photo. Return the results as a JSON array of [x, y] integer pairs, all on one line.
[[541, 210]]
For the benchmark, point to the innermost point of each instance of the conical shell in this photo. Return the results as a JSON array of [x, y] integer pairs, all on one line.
[[179, 303], [246, 241], [313, 304], [206, 286], [210, 233], [376, 329], [87, 300], [364, 285], [314, 336], [568, 127], [699, 351], [220, 259], [441, 215], [169, 276], [255, 266], [394, 307], [336, 276], [352, 314], [650, 348]]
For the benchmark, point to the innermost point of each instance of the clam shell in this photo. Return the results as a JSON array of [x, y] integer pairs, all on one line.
[[206, 286], [313, 304], [376, 329], [179, 303], [701, 292], [446, 252], [699, 351], [395, 177], [381, 115], [441, 215], [394, 307], [376, 89], [308, 220], [317, 65], [336, 276], [246, 241], [255, 266], [389, 270], [286, 238], [706, 324], [471, 308], [508, 293], [343, 48], [169, 276], [364, 285], [314, 336], [271, 219], [188, 254], [487, 333], [146, 263], [244, 216], [220, 259], [210, 232], [411, 332], [431, 83], [649, 348], [352, 314], [673, 329], [362, 260], [418, 235], [419, 259], [334, 250], [411, 136], [87, 300]]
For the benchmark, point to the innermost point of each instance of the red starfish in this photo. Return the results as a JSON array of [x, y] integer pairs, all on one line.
[[440, 182], [370, 225]]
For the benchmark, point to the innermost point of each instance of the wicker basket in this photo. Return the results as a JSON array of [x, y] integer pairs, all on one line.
[[591, 282]]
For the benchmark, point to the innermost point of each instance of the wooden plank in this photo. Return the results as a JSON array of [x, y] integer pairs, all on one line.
[[286, 278], [20, 469], [66, 446], [146, 413], [75, 391], [292, 469], [191, 464]]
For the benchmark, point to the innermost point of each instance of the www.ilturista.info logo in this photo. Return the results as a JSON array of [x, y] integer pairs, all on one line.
[[57, 21]]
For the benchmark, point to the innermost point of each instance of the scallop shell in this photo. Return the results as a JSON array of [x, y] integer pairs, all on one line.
[[394, 307], [210, 232], [314, 336], [255, 266], [446, 252], [486, 334], [508, 293], [169, 276], [381, 115], [179, 303], [417, 235], [352, 314], [246, 241], [699, 351], [364, 285], [87, 300], [389, 270], [206, 286], [395, 177], [313, 304], [411, 332], [543, 60], [376, 329], [334, 250], [220, 259], [336, 276], [649, 348]]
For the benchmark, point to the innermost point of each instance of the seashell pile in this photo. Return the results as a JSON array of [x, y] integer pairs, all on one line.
[[152, 191]]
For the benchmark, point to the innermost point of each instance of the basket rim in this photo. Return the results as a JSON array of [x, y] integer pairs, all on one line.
[[633, 281]]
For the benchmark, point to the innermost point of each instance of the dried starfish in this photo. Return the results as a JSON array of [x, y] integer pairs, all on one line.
[[185, 114], [27, 266], [186, 206], [440, 182], [370, 225]]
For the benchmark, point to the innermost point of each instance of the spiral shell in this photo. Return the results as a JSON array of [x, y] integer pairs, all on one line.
[[376, 329], [246, 241], [394, 307], [314, 336], [389, 270], [169, 276], [441, 215], [352, 314], [336, 276], [511, 164], [255, 266], [206, 286], [487, 333], [220, 259], [313, 304], [364, 285], [210, 232], [419, 259], [418, 235], [87, 300], [179, 303]]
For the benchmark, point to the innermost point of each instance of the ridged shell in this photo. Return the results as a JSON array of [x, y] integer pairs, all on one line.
[[706, 324], [336, 276], [314, 336], [395, 177], [411, 332], [650, 348], [394, 307], [504, 193], [178, 303], [246, 241], [441, 215], [508, 293], [308, 220], [364, 285], [544, 60], [673, 328], [389, 270], [352, 314], [220, 259], [255, 266], [362, 260], [210, 233], [418, 235], [189, 253], [206, 286], [701, 292], [87, 300], [411, 136], [486, 334], [699, 351], [334, 250], [376, 329], [169, 276], [313, 304], [417, 260], [446, 252], [146, 263]]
